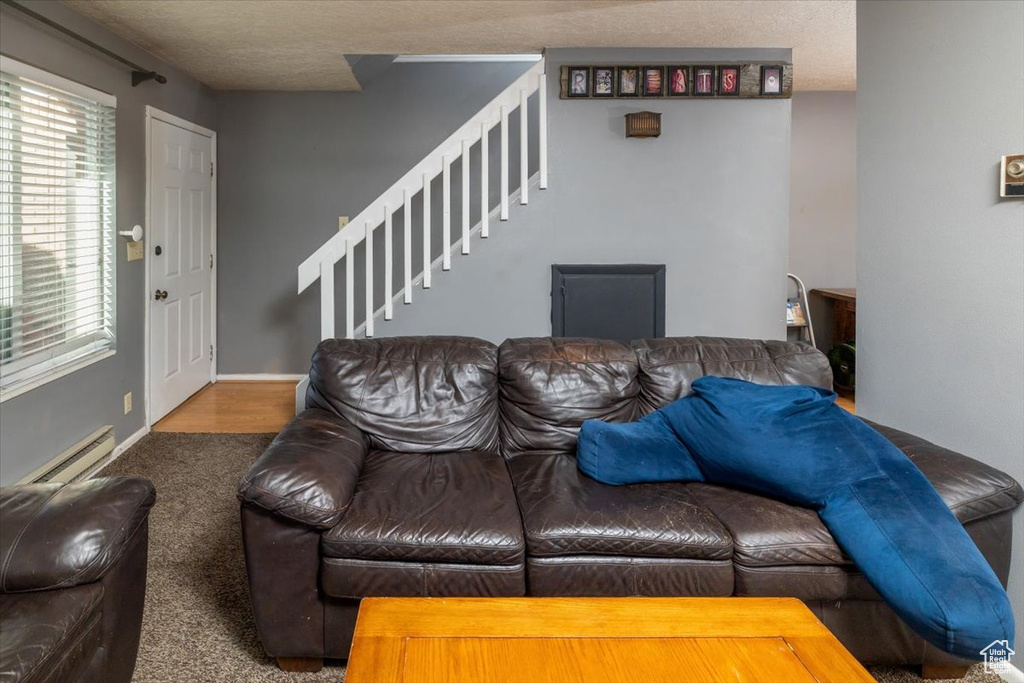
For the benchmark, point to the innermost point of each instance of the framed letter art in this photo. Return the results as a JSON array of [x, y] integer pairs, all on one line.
[[771, 80], [629, 81], [678, 81], [654, 81], [579, 81], [703, 81], [729, 81], [604, 81]]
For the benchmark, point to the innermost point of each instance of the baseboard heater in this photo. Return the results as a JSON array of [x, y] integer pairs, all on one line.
[[77, 462]]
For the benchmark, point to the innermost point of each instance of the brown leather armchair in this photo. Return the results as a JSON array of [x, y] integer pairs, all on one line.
[[73, 579], [441, 466]]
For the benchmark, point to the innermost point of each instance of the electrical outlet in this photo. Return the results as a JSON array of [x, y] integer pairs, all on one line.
[[342, 222], [128, 403]]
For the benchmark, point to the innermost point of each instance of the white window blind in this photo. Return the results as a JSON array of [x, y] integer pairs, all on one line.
[[57, 167]]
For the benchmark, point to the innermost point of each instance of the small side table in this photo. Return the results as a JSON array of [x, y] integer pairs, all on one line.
[[844, 313]]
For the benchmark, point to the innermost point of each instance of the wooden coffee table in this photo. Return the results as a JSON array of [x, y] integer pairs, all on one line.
[[564, 640]]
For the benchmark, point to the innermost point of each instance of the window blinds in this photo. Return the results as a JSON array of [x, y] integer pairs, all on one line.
[[57, 168]]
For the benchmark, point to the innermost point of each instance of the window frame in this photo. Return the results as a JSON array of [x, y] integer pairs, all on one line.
[[92, 348]]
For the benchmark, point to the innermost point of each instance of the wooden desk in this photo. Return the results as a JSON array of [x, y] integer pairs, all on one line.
[[844, 313], [570, 640]]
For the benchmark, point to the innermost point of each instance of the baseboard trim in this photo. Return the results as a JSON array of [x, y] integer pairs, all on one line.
[[260, 377], [119, 449], [1014, 675]]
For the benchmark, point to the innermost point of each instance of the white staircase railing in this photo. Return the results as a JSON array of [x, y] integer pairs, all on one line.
[[400, 196]]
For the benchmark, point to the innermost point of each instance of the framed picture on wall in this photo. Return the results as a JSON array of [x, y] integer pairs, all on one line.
[[729, 81], [628, 82], [604, 81], [678, 81], [579, 81], [703, 81], [654, 81], [771, 80]]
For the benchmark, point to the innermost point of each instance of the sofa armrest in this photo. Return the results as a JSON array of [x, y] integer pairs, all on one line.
[[309, 473], [62, 535], [971, 489]]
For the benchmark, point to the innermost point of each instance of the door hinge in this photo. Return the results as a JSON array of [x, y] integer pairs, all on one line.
[[211, 351], [211, 169], [211, 261]]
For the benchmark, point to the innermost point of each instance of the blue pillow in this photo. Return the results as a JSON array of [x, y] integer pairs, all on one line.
[[794, 443], [635, 452]]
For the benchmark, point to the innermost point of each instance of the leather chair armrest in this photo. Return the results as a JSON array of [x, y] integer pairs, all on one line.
[[971, 489], [309, 473], [62, 535]]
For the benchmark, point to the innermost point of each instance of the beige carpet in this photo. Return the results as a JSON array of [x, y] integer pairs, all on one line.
[[198, 625]]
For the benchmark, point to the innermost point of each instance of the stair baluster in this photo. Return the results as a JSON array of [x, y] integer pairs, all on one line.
[[427, 247], [446, 213], [389, 265], [504, 163], [350, 288], [369, 280], [465, 197], [485, 199], [524, 150], [407, 246]]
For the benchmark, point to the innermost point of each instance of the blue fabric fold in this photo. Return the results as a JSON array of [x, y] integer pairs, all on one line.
[[634, 452], [793, 443]]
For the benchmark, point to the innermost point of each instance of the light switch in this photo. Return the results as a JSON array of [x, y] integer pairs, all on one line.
[[136, 250]]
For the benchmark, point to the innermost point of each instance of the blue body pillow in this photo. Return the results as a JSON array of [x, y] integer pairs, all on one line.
[[634, 453], [793, 443]]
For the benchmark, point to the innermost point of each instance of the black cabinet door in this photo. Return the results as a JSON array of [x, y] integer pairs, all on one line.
[[608, 302]]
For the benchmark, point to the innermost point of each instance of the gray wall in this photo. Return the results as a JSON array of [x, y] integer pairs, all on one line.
[[709, 198], [823, 198], [940, 258], [291, 163], [37, 425]]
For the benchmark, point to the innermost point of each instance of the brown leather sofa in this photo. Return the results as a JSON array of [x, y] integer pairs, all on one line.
[[73, 579], [441, 466]]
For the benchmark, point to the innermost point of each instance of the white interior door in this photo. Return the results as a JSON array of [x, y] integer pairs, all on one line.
[[179, 247]]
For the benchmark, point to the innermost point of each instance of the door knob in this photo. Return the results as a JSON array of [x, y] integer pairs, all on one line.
[[160, 295]]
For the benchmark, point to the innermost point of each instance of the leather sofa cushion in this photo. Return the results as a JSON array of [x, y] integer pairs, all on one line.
[[348, 578], [61, 535], [567, 513], [767, 532], [548, 387], [50, 635], [806, 582], [971, 489], [411, 394], [447, 507], [669, 366], [613, 577]]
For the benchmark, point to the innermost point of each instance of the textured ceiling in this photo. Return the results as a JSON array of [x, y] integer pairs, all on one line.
[[301, 44]]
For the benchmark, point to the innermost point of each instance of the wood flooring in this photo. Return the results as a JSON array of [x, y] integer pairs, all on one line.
[[229, 407]]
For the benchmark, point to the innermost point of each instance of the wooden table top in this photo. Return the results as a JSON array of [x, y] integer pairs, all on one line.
[[569, 640], [841, 293]]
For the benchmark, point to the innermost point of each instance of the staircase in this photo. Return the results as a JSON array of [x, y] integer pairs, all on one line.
[[399, 199]]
